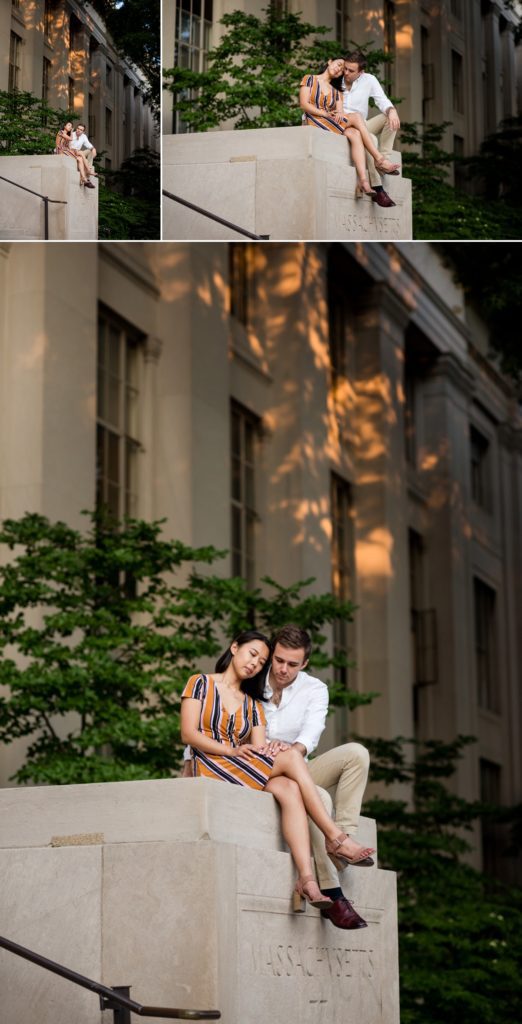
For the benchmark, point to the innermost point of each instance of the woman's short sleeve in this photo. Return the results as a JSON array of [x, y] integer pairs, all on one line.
[[258, 714], [195, 688], [307, 80]]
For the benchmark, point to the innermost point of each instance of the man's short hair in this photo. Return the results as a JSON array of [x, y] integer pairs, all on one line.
[[356, 57], [294, 637], [80, 125]]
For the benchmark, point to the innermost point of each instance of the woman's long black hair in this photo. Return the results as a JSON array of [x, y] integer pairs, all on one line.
[[254, 686], [338, 83]]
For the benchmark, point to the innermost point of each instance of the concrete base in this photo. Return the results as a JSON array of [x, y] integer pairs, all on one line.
[[22, 214], [288, 183], [181, 888]]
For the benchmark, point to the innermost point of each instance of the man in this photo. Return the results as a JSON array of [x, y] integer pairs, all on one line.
[[296, 705], [359, 88], [81, 142]]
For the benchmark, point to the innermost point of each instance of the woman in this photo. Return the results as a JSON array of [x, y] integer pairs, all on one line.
[[219, 713], [63, 147], [321, 100]]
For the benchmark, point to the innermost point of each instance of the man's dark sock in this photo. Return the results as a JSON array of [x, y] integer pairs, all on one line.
[[378, 188], [334, 894]]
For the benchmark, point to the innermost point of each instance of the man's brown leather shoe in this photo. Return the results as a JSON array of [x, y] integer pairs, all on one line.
[[343, 915], [382, 199]]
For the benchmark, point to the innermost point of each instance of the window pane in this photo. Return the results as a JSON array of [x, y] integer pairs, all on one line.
[[113, 456]]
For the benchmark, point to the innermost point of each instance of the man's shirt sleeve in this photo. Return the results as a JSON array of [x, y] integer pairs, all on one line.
[[378, 94], [314, 718]]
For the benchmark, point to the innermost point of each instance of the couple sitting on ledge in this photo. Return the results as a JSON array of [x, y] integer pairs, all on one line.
[[336, 100], [258, 683], [74, 143]]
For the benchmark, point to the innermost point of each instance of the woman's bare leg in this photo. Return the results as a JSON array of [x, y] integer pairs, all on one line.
[[290, 763], [358, 152], [356, 121], [294, 822]]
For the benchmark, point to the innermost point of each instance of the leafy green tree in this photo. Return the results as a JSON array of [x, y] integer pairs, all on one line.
[[460, 944], [135, 27], [441, 211], [27, 124], [130, 198], [98, 637], [497, 167], [255, 71]]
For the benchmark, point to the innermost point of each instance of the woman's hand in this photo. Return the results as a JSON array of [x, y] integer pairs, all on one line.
[[245, 750]]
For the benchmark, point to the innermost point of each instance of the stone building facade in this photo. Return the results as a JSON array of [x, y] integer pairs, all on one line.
[[59, 50], [325, 411], [454, 60]]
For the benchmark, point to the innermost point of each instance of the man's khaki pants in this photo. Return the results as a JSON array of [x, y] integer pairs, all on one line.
[[346, 769], [88, 155], [384, 139]]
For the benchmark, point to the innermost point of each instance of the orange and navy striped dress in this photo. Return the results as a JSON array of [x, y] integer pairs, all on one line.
[[325, 101], [219, 724]]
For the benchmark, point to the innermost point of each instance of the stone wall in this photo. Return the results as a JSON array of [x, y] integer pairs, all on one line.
[[288, 183], [22, 214], [182, 889]]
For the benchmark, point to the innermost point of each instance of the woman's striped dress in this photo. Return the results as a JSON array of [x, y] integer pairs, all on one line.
[[218, 724], [325, 101]]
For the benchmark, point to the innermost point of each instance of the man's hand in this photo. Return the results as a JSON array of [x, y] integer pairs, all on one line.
[[300, 747], [393, 119], [274, 747]]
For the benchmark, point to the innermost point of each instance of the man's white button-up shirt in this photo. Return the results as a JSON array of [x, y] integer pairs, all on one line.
[[78, 141], [301, 714], [357, 97]]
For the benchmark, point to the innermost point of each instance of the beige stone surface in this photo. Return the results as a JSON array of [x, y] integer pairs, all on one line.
[[50, 903], [199, 922], [22, 214], [180, 810], [288, 183]]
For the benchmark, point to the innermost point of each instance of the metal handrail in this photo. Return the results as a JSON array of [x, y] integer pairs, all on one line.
[[214, 216], [45, 199], [116, 999]]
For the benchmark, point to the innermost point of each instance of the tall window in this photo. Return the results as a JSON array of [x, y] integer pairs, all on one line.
[[48, 10], [337, 327], [342, 22], [193, 26], [480, 469], [117, 416], [456, 9], [486, 646], [108, 76], [108, 126], [242, 280], [244, 434], [423, 623], [342, 564], [92, 118], [457, 81], [15, 47], [70, 94], [410, 404], [46, 74], [492, 839], [389, 26], [428, 84]]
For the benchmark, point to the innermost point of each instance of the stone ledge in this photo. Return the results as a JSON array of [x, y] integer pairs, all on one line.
[[288, 183], [22, 214], [167, 810]]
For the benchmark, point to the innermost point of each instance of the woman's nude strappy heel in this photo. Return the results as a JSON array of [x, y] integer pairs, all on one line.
[[314, 896], [361, 190], [341, 860]]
